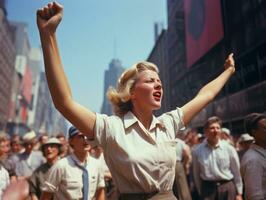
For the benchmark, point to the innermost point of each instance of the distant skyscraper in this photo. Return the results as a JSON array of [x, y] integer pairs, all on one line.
[[110, 79], [158, 28]]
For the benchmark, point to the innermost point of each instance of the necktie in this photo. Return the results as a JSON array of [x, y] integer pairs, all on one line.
[[85, 181]]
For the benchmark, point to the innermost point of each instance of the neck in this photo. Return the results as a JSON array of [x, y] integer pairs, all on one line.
[[145, 117], [81, 156], [52, 161], [213, 143]]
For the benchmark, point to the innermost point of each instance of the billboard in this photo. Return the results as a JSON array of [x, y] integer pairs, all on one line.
[[203, 27], [26, 89]]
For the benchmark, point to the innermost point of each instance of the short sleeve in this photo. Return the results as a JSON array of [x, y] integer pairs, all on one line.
[[176, 119], [53, 178], [101, 128]]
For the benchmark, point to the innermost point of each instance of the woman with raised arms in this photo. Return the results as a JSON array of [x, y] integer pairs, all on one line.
[[139, 148]]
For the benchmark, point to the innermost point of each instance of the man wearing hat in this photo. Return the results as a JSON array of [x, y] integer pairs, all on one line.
[[76, 176], [226, 135], [30, 159], [253, 163], [51, 150], [244, 142]]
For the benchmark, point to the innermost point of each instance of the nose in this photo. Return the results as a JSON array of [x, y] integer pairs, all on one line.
[[158, 85]]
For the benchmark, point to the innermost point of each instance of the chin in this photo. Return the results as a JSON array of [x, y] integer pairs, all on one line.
[[157, 106]]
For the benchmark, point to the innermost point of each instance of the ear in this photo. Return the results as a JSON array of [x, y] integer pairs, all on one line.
[[132, 94]]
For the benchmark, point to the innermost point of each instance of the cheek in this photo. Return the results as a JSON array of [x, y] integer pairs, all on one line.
[[142, 92]]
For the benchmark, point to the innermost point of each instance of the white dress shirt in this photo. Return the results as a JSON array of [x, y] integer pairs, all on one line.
[[216, 163], [65, 178]]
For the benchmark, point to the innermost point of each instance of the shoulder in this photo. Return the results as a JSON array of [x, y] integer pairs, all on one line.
[[108, 123], [37, 154], [173, 118], [63, 162], [250, 156], [198, 148], [94, 162], [105, 117], [227, 146]]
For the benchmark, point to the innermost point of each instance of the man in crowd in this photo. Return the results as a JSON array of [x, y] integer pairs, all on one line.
[[51, 151], [253, 163], [244, 143], [5, 159], [216, 166], [16, 144], [30, 159], [183, 160], [76, 176]]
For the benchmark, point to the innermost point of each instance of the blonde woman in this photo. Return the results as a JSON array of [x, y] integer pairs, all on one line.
[[139, 148]]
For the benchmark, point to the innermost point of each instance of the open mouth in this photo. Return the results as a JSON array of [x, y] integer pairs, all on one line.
[[157, 96]]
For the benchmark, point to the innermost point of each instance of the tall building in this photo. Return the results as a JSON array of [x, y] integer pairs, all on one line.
[[35, 59], [158, 56], [22, 78], [47, 118], [7, 59], [200, 36], [176, 53], [111, 76], [158, 29]]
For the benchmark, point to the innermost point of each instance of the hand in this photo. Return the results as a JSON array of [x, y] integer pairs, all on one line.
[[49, 17], [230, 63], [239, 197]]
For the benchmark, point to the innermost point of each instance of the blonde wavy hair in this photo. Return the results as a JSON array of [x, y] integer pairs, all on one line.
[[120, 97]]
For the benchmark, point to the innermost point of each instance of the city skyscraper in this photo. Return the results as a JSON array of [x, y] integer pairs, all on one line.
[[111, 76]]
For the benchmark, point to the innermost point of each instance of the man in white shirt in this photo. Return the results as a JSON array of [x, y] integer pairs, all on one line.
[[216, 166], [77, 176]]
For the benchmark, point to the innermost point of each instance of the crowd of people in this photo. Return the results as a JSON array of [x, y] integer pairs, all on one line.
[[210, 165], [147, 157]]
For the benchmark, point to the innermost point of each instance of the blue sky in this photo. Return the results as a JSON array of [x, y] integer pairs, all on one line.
[[86, 38]]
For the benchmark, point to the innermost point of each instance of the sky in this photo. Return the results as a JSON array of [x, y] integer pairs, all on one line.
[[91, 34]]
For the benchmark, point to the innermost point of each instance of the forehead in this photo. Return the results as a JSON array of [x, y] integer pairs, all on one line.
[[51, 145], [214, 124], [148, 74]]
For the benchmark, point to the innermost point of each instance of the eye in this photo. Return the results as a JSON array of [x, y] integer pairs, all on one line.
[[150, 80]]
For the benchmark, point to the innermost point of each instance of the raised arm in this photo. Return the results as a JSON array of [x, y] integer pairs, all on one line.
[[209, 91], [48, 18]]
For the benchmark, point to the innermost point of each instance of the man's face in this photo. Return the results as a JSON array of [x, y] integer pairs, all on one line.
[[213, 132], [4, 147], [28, 146], [79, 143], [51, 151], [260, 131]]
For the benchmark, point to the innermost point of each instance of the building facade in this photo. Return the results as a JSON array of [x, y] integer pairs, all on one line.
[[7, 59], [195, 59], [158, 56]]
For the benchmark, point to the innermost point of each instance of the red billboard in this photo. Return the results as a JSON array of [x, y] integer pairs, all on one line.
[[203, 27], [27, 85]]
